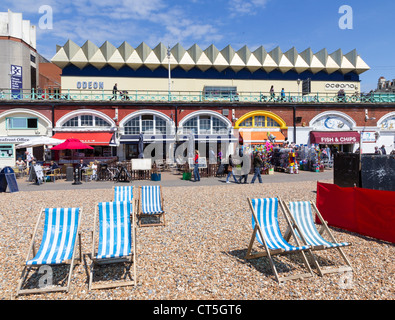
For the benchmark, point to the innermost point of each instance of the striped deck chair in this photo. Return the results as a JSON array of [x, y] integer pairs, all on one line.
[[267, 231], [151, 205], [116, 243], [302, 214], [58, 245], [123, 193]]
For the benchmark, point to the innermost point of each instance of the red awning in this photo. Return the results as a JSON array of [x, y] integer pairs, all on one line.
[[338, 137], [90, 138]]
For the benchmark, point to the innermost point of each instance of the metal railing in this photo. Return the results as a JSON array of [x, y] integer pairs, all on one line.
[[193, 96]]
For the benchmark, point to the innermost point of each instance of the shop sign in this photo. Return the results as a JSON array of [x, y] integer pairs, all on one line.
[[338, 140], [336, 86], [368, 137]]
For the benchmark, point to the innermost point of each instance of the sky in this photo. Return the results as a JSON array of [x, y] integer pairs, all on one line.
[[315, 24]]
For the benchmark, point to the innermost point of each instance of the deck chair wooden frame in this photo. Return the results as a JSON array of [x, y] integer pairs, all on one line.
[[141, 214], [32, 253], [324, 244], [130, 258], [269, 253]]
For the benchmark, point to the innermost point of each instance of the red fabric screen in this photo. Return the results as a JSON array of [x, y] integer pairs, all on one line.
[[364, 211]]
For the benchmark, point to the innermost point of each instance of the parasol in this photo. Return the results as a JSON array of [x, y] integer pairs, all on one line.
[[72, 144]]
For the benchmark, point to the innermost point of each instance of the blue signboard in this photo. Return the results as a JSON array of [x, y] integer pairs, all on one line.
[[8, 179], [16, 82]]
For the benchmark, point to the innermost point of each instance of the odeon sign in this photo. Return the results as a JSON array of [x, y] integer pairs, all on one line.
[[338, 86], [95, 85]]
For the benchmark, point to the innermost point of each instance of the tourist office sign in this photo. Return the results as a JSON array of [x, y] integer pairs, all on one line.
[[14, 140]]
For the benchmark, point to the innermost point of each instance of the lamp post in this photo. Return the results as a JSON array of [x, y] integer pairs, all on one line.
[[360, 137], [298, 81], [169, 72]]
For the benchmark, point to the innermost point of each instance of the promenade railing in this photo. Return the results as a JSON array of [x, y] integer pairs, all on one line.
[[193, 96]]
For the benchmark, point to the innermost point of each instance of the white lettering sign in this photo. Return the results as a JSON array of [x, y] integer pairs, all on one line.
[[339, 85]]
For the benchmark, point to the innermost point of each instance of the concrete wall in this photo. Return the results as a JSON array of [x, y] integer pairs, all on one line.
[[197, 85]]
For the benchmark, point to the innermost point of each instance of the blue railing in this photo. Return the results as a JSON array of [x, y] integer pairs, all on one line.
[[193, 96]]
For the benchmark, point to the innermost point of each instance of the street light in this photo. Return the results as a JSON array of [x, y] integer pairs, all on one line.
[[298, 81], [360, 137], [168, 58]]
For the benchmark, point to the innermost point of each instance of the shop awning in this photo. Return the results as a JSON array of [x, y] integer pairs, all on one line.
[[338, 137], [258, 137], [89, 138]]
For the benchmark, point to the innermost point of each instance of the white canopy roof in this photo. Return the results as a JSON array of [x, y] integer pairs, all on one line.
[[204, 59]]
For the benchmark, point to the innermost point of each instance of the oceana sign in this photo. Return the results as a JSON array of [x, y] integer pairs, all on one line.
[[339, 86], [91, 85]]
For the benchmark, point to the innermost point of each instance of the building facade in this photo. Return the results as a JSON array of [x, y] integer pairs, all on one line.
[[218, 97]]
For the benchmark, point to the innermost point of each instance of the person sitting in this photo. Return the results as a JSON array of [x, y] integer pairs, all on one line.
[[53, 166], [82, 166], [94, 170], [20, 163]]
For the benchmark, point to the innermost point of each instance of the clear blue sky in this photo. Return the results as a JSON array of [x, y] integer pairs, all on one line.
[[286, 23]]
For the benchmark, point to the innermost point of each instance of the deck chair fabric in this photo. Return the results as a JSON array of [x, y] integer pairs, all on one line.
[[301, 212], [58, 244], [266, 230], [151, 205], [267, 215], [123, 193], [151, 200], [60, 232], [116, 241], [115, 230]]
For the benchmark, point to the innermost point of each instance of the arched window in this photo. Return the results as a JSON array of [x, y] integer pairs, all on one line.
[[86, 121], [260, 122], [205, 124], [147, 124], [261, 119]]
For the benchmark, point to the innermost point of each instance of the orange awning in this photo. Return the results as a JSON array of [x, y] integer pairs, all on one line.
[[89, 138], [259, 137]]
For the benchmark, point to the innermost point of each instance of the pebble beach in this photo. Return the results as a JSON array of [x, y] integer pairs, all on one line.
[[200, 253]]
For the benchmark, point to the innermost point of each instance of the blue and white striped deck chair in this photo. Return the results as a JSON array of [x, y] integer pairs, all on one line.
[[302, 214], [123, 193], [116, 241], [151, 205], [58, 245], [267, 231]]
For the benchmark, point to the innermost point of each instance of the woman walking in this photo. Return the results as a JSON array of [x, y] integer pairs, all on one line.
[[230, 170], [196, 174]]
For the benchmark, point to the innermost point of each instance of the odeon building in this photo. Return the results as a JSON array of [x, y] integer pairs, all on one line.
[[217, 96]]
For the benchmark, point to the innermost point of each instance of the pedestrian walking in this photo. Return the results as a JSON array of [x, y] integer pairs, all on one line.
[[196, 174], [383, 151], [230, 170], [272, 93], [257, 163], [114, 92]]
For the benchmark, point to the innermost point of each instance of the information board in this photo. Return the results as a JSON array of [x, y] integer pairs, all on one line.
[[141, 164], [202, 162], [36, 174], [8, 179]]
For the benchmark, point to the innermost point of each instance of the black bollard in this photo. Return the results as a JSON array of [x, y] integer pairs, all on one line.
[[77, 176]]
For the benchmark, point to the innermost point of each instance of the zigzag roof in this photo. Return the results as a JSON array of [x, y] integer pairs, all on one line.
[[211, 57]]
